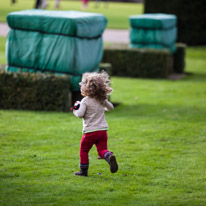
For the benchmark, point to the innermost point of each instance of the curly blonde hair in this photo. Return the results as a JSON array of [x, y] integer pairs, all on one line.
[[96, 85]]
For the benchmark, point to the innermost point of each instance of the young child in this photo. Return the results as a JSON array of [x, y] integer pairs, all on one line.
[[95, 89]]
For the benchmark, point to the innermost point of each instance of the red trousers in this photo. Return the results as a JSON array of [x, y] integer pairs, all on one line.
[[99, 138]]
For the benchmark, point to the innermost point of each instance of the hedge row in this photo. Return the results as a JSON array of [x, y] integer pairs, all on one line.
[[34, 91], [179, 58], [190, 14], [143, 62]]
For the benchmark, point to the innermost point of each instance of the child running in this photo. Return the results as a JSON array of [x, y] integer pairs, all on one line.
[[95, 89]]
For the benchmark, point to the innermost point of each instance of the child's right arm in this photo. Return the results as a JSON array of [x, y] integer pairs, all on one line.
[[81, 111]]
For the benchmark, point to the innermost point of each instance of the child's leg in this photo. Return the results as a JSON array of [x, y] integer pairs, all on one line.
[[101, 143], [103, 152], [85, 146]]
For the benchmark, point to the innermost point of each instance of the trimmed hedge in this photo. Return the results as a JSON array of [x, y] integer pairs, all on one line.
[[137, 62], [190, 14], [179, 58], [107, 67], [35, 91], [143, 62]]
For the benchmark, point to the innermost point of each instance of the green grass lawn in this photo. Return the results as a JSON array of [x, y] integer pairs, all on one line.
[[158, 134], [2, 50], [116, 13]]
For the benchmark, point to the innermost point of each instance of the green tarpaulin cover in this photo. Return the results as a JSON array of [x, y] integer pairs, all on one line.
[[70, 23], [156, 31], [153, 36], [153, 21], [54, 53]]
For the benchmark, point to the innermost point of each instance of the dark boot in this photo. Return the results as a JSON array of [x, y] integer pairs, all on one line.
[[111, 159], [82, 172]]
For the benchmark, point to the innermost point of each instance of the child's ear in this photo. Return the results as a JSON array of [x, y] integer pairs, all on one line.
[[87, 83]]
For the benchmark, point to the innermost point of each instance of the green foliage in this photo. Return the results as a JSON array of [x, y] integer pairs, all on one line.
[[137, 62], [107, 67], [75, 80], [34, 91], [143, 62], [179, 58], [191, 17]]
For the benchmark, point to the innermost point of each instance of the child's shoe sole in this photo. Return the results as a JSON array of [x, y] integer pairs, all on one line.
[[113, 164]]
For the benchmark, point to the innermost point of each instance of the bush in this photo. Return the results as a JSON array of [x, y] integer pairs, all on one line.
[[179, 58], [190, 14], [34, 91], [107, 67], [137, 62]]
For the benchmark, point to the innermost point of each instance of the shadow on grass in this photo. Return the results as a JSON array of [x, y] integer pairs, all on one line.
[[161, 111], [195, 77]]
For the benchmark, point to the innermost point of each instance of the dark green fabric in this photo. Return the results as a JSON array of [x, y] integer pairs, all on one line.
[[71, 23], [48, 52], [22, 48], [172, 48], [153, 21], [153, 36], [18, 69], [75, 80]]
